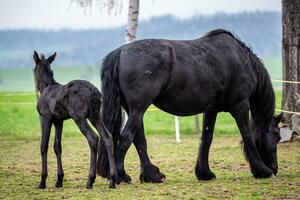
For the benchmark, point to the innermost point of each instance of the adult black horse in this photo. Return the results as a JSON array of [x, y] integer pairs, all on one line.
[[214, 73]]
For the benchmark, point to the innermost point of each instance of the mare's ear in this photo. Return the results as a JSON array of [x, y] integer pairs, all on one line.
[[36, 57], [278, 118], [50, 59]]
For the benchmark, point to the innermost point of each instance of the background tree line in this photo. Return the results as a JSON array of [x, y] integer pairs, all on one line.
[[82, 47]]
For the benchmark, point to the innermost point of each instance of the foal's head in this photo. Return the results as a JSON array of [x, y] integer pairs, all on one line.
[[267, 144], [42, 71]]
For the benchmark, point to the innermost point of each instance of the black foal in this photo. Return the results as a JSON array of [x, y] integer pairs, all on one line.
[[79, 100]]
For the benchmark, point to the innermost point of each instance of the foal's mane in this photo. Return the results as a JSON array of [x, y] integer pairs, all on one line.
[[262, 101]]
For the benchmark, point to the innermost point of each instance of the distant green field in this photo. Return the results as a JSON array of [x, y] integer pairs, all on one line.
[[19, 119], [21, 79]]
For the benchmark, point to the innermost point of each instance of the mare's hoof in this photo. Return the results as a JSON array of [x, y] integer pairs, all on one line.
[[264, 173], [112, 184], [205, 176], [151, 174], [123, 179]]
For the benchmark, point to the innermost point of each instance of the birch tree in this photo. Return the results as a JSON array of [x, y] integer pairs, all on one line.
[[115, 7], [132, 23]]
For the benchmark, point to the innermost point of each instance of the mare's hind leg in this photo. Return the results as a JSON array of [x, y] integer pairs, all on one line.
[[133, 124], [92, 139], [240, 112], [57, 149], [109, 146], [202, 170], [149, 172], [46, 129]]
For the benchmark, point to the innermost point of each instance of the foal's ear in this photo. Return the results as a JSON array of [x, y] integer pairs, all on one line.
[[50, 59], [278, 118], [36, 57]]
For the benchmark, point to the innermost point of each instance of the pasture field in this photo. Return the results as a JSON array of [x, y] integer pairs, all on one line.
[[19, 119], [20, 168], [20, 161]]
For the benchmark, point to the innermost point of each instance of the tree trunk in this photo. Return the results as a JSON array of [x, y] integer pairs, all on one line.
[[290, 57], [133, 16]]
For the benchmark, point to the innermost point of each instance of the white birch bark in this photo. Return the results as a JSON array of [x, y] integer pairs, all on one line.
[[133, 16]]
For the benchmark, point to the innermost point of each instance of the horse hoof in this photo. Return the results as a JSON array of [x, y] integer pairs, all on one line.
[[123, 179], [265, 173], [89, 187], [112, 184], [151, 174], [205, 175], [58, 185], [42, 186]]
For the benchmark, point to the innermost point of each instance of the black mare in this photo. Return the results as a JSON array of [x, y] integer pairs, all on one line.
[[79, 100], [215, 73]]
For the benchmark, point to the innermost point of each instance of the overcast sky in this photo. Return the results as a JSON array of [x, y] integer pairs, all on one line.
[[57, 14]]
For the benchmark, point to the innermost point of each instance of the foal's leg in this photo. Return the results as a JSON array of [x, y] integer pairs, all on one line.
[[202, 167], [57, 149], [241, 115], [109, 145], [92, 139], [149, 172], [133, 124], [46, 129]]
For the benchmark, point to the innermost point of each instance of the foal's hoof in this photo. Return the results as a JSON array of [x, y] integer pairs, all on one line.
[[125, 178], [89, 186], [42, 186], [151, 174], [58, 184], [205, 176]]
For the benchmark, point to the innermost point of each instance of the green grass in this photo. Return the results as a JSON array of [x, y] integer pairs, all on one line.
[[21, 79], [20, 167], [20, 160], [19, 119]]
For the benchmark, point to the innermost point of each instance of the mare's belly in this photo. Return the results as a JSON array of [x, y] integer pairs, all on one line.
[[189, 103]]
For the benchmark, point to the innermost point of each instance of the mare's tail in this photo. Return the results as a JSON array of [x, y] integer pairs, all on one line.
[[111, 110]]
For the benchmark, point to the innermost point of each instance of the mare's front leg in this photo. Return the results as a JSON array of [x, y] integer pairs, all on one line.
[[57, 149], [133, 124], [46, 129], [241, 115], [92, 139], [149, 172], [202, 170]]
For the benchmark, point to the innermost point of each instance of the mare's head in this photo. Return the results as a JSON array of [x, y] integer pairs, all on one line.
[[42, 72], [267, 144]]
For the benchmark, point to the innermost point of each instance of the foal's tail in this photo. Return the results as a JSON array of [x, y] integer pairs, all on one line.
[[111, 110]]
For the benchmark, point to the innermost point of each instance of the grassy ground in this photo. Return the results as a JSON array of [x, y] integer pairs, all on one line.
[[20, 161], [19, 119], [20, 166]]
